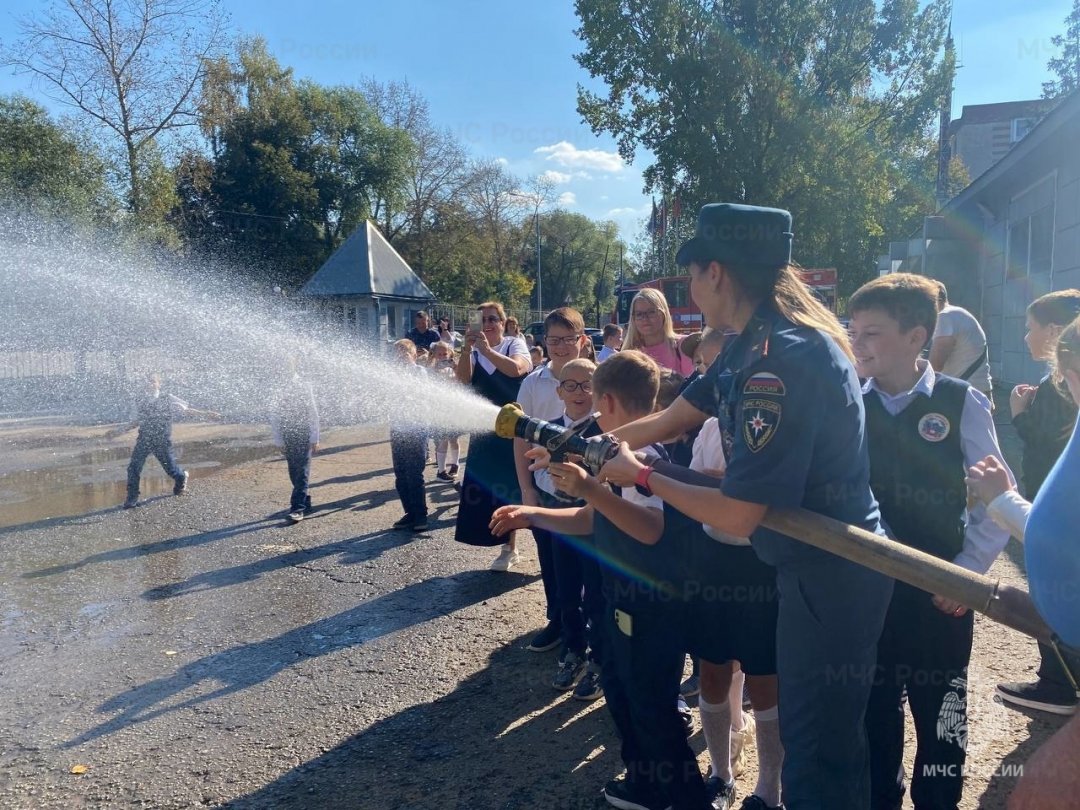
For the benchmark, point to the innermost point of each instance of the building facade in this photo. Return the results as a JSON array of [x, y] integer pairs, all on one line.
[[1009, 237]]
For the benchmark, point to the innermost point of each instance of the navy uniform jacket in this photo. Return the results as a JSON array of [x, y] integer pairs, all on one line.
[[791, 400]]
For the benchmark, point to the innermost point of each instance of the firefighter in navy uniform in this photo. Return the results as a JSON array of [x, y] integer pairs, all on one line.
[[789, 395]]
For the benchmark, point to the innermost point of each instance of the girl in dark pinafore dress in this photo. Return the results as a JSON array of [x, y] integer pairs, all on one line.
[[494, 365]]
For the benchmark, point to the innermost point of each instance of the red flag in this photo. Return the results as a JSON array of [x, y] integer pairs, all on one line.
[[676, 209]]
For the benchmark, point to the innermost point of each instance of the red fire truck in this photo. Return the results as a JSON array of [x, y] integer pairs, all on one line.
[[685, 315]]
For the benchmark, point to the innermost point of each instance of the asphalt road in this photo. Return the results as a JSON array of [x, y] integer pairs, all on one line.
[[199, 652]]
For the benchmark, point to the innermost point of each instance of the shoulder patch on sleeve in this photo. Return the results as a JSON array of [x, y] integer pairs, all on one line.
[[764, 383], [761, 418]]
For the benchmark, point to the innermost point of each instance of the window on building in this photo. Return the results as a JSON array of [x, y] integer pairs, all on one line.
[[1042, 241], [1031, 244], [1018, 248], [1021, 127]]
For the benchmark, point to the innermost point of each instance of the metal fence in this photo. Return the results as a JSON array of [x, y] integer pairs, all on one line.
[[459, 314]]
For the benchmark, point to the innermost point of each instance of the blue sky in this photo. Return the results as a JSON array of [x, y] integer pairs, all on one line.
[[500, 74]]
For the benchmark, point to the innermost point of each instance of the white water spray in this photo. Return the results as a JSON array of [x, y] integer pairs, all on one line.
[[107, 316]]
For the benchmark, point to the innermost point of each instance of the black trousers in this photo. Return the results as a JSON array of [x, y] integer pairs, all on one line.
[[924, 653], [545, 545], [298, 459], [579, 596], [409, 453], [641, 670], [160, 447]]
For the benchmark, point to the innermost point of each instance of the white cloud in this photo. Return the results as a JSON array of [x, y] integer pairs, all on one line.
[[567, 198], [621, 212], [558, 178], [502, 161], [567, 155]]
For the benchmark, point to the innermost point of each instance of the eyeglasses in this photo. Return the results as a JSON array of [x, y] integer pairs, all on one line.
[[492, 319], [646, 314], [551, 340], [570, 386]]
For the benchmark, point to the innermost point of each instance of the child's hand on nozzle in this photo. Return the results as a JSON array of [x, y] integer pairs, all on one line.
[[988, 479], [506, 519], [571, 479], [540, 457]]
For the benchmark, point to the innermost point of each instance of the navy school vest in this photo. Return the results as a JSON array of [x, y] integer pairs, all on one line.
[[640, 574], [917, 467]]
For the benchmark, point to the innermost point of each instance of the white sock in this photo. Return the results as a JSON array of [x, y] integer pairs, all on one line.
[[453, 452], [770, 754], [716, 724], [440, 460], [735, 699]]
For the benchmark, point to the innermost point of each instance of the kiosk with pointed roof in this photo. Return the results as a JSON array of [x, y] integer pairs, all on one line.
[[367, 287]]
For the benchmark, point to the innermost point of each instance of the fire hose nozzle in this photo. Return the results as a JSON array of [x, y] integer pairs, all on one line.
[[558, 440]]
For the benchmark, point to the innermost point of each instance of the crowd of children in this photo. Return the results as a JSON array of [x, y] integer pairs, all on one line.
[[662, 554]]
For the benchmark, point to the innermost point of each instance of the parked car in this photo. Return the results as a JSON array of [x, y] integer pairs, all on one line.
[[536, 329]]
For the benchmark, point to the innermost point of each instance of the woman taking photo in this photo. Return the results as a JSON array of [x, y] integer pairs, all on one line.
[[493, 364], [650, 331], [786, 391]]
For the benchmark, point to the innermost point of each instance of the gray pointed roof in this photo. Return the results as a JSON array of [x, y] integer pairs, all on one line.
[[366, 264]]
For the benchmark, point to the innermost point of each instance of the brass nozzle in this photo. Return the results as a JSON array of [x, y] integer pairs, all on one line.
[[507, 419]]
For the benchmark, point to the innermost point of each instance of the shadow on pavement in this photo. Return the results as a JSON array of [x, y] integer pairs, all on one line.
[[502, 739], [157, 547], [352, 479], [225, 673], [354, 550]]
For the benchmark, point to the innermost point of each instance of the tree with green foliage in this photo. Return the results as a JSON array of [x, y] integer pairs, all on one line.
[[803, 105], [132, 70], [48, 169], [1066, 66], [298, 166]]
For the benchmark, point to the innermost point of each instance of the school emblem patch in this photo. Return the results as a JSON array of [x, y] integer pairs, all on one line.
[[764, 384], [934, 427], [761, 418]]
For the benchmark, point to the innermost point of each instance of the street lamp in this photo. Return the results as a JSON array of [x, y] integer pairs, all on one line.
[[536, 216]]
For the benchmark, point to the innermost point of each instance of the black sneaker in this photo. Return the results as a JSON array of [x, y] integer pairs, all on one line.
[[443, 475], [589, 687], [1040, 695], [571, 669], [626, 795], [420, 525], [131, 503], [404, 522], [296, 516], [685, 715], [721, 795], [181, 486], [453, 471], [755, 802], [690, 687], [546, 639]]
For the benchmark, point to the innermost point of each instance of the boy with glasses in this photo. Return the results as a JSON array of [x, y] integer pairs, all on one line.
[[564, 335], [577, 573]]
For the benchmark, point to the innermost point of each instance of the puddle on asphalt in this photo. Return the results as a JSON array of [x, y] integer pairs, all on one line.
[[96, 480]]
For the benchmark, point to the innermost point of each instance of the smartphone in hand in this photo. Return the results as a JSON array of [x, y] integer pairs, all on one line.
[[476, 321]]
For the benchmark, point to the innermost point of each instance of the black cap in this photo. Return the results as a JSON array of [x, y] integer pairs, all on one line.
[[739, 234]]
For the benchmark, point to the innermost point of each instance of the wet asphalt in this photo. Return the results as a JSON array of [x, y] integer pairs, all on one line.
[[200, 652]]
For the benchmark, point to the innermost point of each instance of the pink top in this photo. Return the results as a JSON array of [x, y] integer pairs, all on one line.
[[668, 357]]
